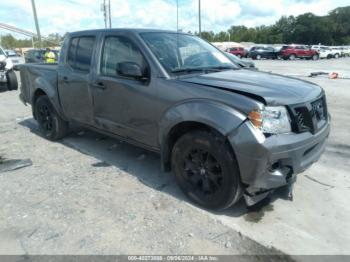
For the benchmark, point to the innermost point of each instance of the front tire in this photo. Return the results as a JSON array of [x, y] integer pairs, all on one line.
[[292, 57], [51, 125], [206, 170], [258, 57]]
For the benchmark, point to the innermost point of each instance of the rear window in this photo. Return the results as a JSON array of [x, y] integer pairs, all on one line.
[[80, 53]]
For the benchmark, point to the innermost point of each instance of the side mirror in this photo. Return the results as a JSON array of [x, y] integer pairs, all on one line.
[[130, 69]]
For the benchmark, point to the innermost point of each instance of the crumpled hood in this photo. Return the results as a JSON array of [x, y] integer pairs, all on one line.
[[272, 88]]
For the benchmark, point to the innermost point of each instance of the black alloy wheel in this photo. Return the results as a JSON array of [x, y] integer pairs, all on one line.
[[203, 171], [206, 169], [51, 125]]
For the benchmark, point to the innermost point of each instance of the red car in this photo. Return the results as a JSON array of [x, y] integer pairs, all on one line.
[[298, 51], [237, 51]]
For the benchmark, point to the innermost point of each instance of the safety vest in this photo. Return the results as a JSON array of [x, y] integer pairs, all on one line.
[[50, 57]]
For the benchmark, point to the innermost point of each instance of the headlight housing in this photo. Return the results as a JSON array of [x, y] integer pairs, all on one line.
[[271, 120]]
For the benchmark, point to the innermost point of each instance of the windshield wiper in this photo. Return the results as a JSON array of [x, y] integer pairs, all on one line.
[[222, 67], [201, 69]]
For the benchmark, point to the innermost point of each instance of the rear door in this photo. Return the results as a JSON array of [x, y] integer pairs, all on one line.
[[75, 77]]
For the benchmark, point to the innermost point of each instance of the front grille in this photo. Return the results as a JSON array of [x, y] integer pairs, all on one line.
[[309, 117]]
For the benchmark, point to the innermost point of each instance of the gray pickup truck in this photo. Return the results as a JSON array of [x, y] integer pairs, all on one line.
[[226, 132]]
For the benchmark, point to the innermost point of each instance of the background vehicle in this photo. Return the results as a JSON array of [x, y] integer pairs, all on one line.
[[8, 79], [346, 51], [336, 52], [298, 51], [260, 52], [224, 131], [323, 51], [14, 57], [37, 55], [237, 51]]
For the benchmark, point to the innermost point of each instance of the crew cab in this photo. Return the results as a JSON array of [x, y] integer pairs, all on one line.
[[298, 51], [225, 131]]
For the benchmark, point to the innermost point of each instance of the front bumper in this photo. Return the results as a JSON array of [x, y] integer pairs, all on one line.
[[272, 162]]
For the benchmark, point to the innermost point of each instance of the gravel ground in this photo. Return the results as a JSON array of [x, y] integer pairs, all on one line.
[[89, 194]]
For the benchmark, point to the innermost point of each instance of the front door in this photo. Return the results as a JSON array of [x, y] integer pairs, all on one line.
[[122, 104]]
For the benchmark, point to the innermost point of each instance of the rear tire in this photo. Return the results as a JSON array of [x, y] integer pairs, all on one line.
[[206, 170], [51, 125], [12, 83], [292, 57]]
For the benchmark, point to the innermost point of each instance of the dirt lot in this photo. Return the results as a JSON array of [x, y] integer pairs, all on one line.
[[89, 194]]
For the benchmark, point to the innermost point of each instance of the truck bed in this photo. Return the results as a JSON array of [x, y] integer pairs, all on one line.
[[34, 75]]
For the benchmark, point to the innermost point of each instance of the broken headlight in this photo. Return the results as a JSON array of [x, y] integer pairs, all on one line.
[[271, 120]]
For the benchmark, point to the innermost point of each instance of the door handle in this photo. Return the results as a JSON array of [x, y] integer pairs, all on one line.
[[99, 85]]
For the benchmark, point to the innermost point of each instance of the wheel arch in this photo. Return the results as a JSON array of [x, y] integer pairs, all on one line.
[[43, 87], [195, 115]]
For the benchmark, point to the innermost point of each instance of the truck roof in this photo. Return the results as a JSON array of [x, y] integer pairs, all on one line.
[[130, 30]]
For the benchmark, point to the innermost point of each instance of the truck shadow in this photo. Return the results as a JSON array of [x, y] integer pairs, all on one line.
[[143, 165]]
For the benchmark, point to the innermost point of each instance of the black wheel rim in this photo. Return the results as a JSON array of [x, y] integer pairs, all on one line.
[[45, 118], [203, 173]]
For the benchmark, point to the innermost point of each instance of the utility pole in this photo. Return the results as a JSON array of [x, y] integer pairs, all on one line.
[[36, 23], [199, 18], [177, 15], [109, 14], [103, 9]]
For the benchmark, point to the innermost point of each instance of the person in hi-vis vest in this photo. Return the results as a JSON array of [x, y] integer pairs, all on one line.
[[49, 56]]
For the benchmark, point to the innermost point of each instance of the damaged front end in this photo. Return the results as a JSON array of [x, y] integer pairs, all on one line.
[[271, 161]]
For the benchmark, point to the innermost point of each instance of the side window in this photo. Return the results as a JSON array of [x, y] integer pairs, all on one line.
[[80, 53], [84, 53], [71, 51], [119, 49]]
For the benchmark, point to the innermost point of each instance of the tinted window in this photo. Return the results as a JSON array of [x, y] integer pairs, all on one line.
[[80, 53], [117, 50], [84, 53], [71, 51]]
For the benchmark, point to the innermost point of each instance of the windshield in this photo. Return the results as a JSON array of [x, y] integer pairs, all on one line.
[[185, 53]]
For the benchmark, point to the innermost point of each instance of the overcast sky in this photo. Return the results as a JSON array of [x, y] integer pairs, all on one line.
[[71, 15]]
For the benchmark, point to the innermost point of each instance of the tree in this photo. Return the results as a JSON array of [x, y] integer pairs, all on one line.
[[340, 21]]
